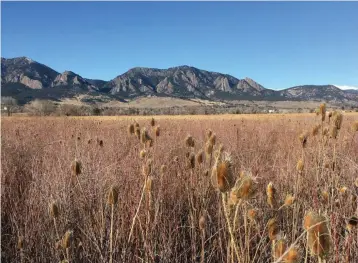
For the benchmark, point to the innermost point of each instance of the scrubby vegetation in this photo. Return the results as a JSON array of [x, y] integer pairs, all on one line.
[[259, 188]]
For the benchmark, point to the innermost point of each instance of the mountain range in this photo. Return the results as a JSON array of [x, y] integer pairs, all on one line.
[[26, 79]]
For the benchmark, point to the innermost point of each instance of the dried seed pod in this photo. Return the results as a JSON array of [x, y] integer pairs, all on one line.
[[142, 154], [222, 176], [191, 160], [189, 141], [279, 248], [67, 239], [245, 187], [212, 139], [20, 243], [208, 134], [300, 166], [53, 210], [76, 168], [303, 139], [152, 122], [271, 195], [352, 223], [273, 229], [252, 214], [131, 129], [289, 200], [322, 111], [112, 196], [147, 168], [157, 131], [199, 157], [316, 129]]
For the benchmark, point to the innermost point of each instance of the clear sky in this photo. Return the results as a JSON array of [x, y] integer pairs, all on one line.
[[278, 44]]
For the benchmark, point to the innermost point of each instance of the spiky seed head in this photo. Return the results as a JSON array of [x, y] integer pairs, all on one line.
[[149, 184], [352, 223], [209, 148], [209, 133], [112, 196], [245, 187], [136, 124], [152, 122], [142, 154], [157, 131], [67, 239], [137, 132], [289, 200], [322, 111], [20, 242], [337, 119], [222, 176], [325, 131], [147, 168], [343, 190], [252, 214], [334, 132], [316, 129], [76, 168], [53, 210], [271, 195], [202, 223], [200, 157], [279, 248], [212, 139], [325, 196], [355, 126], [329, 114], [131, 129], [273, 229], [303, 139], [292, 256], [319, 240], [144, 136], [189, 141], [300, 165], [191, 160]]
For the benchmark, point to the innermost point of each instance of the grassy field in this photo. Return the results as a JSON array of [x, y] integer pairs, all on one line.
[[224, 188]]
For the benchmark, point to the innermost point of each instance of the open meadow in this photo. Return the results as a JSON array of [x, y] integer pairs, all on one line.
[[223, 188]]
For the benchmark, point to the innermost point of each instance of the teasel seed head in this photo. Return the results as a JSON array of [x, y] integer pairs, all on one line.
[[273, 229], [191, 160], [149, 184], [67, 239], [54, 210], [157, 131], [245, 187], [334, 132], [343, 190], [144, 137], [300, 165], [322, 111], [325, 131], [142, 154], [152, 122], [293, 256], [76, 168], [137, 132], [271, 195], [189, 141], [319, 240], [200, 157], [289, 200], [279, 248], [131, 129], [20, 243], [303, 139], [337, 119], [222, 176], [212, 139], [112, 196]]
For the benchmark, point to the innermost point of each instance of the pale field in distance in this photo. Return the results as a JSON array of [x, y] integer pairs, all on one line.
[[210, 209]]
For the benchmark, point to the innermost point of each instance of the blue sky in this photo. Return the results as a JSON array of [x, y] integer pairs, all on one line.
[[278, 44]]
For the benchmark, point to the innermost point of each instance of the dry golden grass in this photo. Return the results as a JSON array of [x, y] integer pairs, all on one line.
[[104, 189]]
